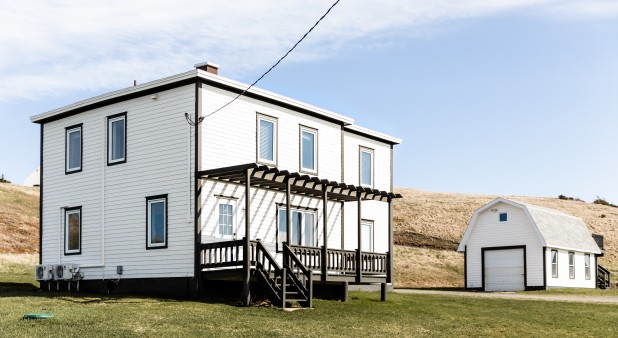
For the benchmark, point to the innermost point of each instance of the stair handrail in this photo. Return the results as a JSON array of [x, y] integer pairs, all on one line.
[[307, 289]]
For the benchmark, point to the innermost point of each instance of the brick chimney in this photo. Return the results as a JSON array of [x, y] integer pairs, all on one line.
[[208, 67]]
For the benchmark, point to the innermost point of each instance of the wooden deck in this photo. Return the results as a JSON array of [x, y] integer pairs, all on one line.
[[224, 260]]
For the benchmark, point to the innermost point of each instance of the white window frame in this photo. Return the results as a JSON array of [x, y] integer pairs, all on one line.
[[308, 130], [272, 120], [360, 166], [67, 213], [571, 265], [302, 212], [149, 202], [68, 132], [554, 265], [369, 223], [226, 201], [110, 121], [587, 266]]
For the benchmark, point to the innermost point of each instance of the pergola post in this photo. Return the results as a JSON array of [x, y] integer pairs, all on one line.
[[246, 292], [360, 242], [324, 230], [288, 218], [389, 257]]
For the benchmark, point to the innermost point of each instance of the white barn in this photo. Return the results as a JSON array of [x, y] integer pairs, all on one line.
[[33, 180], [511, 246], [134, 194]]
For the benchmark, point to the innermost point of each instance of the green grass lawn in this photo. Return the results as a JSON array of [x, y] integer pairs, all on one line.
[[363, 315]]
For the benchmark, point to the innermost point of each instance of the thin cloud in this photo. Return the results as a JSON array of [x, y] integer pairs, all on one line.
[[58, 47]]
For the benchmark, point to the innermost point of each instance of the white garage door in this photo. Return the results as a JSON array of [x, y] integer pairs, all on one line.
[[504, 270]]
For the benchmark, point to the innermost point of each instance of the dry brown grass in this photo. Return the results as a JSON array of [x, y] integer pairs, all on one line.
[[438, 220], [19, 219], [422, 267]]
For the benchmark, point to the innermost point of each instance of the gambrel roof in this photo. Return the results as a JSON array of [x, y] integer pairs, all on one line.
[[554, 228]]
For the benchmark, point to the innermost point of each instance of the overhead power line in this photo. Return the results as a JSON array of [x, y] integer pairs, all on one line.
[[268, 71]]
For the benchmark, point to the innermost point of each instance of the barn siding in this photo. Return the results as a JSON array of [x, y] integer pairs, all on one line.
[[157, 163], [563, 279], [489, 232]]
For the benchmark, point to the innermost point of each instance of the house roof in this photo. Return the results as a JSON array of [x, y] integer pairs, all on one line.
[[190, 77], [554, 228]]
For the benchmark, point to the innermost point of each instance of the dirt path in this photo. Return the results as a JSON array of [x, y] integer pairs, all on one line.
[[518, 296]]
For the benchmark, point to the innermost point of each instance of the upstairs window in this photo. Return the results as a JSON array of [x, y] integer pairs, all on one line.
[[156, 222], [554, 263], [503, 217], [116, 139], [308, 149], [73, 151], [366, 167], [72, 231], [571, 265], [587, 265], [267, 140]]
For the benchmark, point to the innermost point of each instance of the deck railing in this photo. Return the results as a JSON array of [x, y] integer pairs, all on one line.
[[225, 254]]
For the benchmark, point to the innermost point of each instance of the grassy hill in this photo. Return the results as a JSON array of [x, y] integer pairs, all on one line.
[[428, 227], [19, 219]]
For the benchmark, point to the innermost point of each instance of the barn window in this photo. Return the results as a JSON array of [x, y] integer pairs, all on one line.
[[73, 149], [587, 265], [503, 217], [156, 222], [554, 263], [72, 231], [116, 138], [267, 140], [571, 265]]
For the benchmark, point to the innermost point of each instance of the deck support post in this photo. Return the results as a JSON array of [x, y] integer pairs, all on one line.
[[324, 231], [389, 256], [383, 292], [246, 292], [360, 241], [288, 219], [344, 292]]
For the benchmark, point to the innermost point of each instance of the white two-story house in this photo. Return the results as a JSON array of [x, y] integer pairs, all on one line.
[[147, 191]]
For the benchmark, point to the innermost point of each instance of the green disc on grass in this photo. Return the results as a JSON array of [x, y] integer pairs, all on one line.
[[37, 316]]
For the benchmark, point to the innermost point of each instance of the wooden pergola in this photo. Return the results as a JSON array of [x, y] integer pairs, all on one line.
[[271, 178]]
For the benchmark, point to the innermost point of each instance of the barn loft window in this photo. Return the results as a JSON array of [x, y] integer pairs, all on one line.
[[156, 222], [308, 149], [267, 140], [503, 217], [366, 167], [73, 150], [72, 231], [116, 139], [571, 265], [554, 263], [587, 265]]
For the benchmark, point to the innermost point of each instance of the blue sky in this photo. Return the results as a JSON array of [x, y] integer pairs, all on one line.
[[496, 97]]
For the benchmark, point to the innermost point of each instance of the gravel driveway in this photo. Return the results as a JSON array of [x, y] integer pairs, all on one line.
[[512, 295]]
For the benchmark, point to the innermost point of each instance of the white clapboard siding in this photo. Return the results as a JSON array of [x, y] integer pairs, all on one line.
[[157, 163], [264, 206], [381, 160], [489, 232], [563, 279], [229, 137]]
